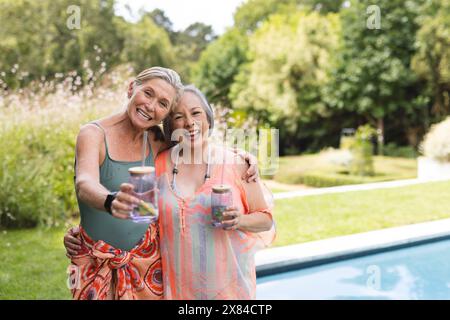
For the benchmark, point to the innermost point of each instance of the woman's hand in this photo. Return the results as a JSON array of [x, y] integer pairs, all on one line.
[[71, 242], [232, 219], [124, 202], [251, 175], [256, 221]]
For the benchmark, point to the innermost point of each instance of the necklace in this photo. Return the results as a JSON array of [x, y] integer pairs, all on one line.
[[175, 167]]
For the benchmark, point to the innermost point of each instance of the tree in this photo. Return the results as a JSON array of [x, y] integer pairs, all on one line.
[[222, 60], [325, 6], [146, 45], [35, 37], [194, 39], [251, 14], [161, 20], [290, 56], [189, 44], [373, 76], [432, 60], [159, 17], [18, 42], [219, 64]]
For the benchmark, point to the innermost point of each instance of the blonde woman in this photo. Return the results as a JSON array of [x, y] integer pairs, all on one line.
[[112, 257]]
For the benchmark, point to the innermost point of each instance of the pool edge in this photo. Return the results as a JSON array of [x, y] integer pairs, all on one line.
[[282, 259]]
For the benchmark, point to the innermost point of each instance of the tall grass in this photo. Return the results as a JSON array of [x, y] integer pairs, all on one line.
[[38, 128]]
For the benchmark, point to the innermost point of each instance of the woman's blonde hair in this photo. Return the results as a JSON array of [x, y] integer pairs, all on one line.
[[168, 75]]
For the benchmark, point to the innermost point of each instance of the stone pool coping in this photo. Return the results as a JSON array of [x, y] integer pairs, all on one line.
[[287, 258], [356, 187]]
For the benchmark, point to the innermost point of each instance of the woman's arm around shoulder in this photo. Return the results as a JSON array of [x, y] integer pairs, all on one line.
[[259, 217]]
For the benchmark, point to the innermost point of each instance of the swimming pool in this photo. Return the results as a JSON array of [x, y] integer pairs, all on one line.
[[417, 271]]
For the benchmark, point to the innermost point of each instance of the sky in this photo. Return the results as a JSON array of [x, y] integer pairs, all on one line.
[[217, 13]]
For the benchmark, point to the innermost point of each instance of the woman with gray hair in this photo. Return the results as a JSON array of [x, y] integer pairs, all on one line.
[[199, 260], [111, 256], [167, 122]]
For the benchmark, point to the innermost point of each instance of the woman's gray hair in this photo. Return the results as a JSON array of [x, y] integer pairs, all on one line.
[[168, 75], [205, 105]]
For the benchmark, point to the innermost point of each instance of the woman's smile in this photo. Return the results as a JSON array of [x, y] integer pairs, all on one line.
[[192, 134], [143, 115]]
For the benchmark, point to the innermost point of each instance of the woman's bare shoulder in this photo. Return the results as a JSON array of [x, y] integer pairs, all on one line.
[[90, 134], [90, 130], [99, 127], [110, 121]]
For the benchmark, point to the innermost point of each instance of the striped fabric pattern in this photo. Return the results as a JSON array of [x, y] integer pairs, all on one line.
[[198, 260]]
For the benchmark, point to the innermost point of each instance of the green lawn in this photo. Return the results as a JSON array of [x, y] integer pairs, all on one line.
[[33, 264], [314, 170], [323, 216]]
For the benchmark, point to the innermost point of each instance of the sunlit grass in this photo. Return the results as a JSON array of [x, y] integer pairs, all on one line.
[[313, 170], [318, 217], [33, 264]]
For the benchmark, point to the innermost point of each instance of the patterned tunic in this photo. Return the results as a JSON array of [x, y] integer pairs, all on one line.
[[198, 260]]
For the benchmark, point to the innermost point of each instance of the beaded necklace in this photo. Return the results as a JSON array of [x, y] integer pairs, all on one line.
[[175, 168]]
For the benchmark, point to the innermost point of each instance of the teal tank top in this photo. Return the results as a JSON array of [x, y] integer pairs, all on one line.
[[99, 225]]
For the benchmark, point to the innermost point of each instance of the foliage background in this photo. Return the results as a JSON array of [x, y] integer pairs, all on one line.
[[307, 67]]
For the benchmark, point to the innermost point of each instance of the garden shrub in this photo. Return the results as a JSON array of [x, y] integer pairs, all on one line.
[[394, 150], [362, 150], [436, 143]]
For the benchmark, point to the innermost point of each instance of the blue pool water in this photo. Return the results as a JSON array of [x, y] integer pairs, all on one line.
[[417, 272]]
